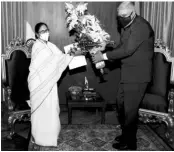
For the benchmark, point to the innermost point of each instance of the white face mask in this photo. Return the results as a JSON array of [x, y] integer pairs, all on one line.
[[44, 36]]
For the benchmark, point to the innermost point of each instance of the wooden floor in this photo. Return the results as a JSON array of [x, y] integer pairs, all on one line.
[[80, 116]]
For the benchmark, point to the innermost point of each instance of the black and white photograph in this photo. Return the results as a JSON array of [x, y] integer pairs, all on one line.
[[87, 75]]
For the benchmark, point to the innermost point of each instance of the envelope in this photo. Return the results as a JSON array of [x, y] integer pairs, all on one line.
[[77, 61]]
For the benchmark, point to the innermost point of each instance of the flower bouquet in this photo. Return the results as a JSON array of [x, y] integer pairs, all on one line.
[[86, 28]]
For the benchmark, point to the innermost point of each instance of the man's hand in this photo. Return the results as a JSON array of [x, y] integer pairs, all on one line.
[[97, 57]]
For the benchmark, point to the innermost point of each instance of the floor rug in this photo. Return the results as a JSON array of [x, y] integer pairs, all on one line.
[[100, 137]]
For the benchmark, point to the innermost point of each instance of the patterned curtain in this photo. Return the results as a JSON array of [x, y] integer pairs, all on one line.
[[12, 22], [161, 17]]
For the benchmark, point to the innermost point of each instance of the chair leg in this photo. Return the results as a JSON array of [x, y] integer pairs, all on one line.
[[168, 119], [69, 115], [103, 115], [11, 122], [169, 134], [169, 129]]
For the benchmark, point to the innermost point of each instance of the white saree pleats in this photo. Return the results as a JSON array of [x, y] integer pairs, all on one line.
[[46, 68]]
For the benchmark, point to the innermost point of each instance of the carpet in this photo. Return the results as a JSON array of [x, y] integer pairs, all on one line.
[[100, 137]]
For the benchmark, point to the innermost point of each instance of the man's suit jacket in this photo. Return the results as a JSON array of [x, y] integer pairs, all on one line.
[[135, 51]]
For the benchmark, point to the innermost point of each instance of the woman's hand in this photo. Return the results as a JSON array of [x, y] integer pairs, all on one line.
[[75, 52]]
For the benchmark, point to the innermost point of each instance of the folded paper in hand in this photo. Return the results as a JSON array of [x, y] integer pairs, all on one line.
[[77, 61]]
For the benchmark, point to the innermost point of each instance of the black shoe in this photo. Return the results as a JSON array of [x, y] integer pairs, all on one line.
[[123, 146], [118, 138]]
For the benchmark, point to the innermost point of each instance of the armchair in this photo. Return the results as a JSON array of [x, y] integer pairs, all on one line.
[[15, 63], [158, 102]]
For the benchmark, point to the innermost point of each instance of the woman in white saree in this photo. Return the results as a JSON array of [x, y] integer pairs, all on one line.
[[46, 68]]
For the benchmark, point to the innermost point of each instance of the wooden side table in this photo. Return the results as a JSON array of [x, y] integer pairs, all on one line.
[[97, 102]]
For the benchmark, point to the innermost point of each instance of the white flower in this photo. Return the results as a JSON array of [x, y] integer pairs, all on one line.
[[72, 21], [81, 8], [105, 36], [72, 25], [84, 31], [69, 7], [69, 19]]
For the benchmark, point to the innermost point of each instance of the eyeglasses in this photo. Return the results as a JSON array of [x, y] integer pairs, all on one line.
[[44, 31]]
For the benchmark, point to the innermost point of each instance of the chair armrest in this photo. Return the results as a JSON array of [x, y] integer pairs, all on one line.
[[171, 102], [7, 96]]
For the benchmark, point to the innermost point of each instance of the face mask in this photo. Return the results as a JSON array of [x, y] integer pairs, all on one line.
[[44, 36], [123, 21]]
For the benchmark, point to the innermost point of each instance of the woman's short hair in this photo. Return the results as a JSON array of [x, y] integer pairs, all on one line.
[[37, 27]]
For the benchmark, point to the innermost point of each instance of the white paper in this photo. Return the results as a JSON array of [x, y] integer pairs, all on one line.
[[77, 61]]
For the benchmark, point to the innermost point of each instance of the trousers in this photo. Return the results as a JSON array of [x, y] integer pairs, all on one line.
[[129, 97]]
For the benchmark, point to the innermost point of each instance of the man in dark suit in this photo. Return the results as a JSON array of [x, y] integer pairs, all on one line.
[[135, 52]]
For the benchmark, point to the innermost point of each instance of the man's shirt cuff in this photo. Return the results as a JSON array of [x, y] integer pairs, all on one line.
[[105, 57]]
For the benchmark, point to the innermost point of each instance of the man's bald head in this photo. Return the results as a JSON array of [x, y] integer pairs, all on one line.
[[125, 9]]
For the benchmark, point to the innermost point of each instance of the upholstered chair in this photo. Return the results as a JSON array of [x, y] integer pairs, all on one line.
[[15, 70], [157, 105]]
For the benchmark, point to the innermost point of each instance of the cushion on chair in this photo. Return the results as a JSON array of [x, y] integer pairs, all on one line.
[[154, 102], [17, 74], [161, 75]]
